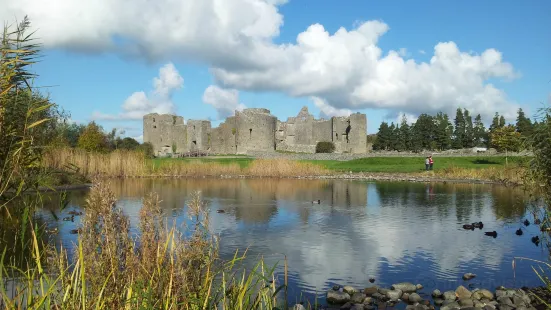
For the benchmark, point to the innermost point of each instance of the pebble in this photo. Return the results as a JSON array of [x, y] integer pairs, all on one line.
[[298, 307], [466, 302], [414, 297], [336, 297], [349, 290], [436, 293], [371, 290], [449, 295], [358, 298], [462, 292], [468, 276]]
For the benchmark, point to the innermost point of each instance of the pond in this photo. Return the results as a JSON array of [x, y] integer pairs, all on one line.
[[392, 232]]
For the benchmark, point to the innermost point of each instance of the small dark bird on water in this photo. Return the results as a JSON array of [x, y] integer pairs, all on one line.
[[479, 225], [75, 231], [468, 226], [371, 280], [526, 222], [220, 211], [518, 232], [72, 218], [537, 221], [318, 201], [491, 233], [75, 213], [536, 240]]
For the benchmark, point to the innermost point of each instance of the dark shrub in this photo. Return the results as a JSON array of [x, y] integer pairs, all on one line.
[[325, 147], [147, 149]]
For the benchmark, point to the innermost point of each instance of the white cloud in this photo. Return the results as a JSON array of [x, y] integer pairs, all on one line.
[[159, 101], [347, 69], [422, 52], [403, 52], [411, 118], [328, 111], [138, 138], [225, 101]]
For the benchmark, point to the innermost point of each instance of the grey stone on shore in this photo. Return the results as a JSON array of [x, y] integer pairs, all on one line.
[[357, 307], [394, 295], [450, 306], [449, 295], [298, 307], [346, 306], [438, 301], [336, 297], [378, 296], [369, 307], [489, 307], [349, 290], [478, 303], [336, 287], [358, 298], [462, 292], [405, 287], [405, 297], [468, 276], [383, 291], [436, 293], [505, 301], [466, 302], [414, 298], [481, 294], [419, 287], [371, 290], [368, 301]]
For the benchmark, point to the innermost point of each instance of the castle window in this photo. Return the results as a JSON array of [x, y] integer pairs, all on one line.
[[154, 126], [250, 132], [153, 120]]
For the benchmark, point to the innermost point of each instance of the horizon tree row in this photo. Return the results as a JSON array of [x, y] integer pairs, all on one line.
[[438, 133]]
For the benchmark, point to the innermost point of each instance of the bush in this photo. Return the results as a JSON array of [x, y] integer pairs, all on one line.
[[325, 147], [147, 149]]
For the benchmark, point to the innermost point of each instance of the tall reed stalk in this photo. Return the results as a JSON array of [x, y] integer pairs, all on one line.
[[161, 268]]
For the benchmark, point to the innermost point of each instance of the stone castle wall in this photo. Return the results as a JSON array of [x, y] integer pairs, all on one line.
[[254, 130]]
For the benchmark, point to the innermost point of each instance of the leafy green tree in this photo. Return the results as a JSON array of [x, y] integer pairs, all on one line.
[[394, 134], [68, 133], [524, 124], [444, 131], [147, 149], [468, 138], [480, 136], [127, 143], [93, 139], [383, 137], [459, 132], [506, 138]]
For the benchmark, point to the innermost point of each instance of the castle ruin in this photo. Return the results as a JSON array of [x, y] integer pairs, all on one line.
[[255, 129]]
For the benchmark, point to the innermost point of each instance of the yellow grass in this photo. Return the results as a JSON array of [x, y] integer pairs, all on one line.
[[512, 174], [134, 164]]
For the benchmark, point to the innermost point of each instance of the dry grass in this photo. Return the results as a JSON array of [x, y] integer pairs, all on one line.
[[134, 164], [507, 175], [163, 268]]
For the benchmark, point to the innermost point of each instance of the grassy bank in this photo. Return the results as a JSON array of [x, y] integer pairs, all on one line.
[[134, 164]]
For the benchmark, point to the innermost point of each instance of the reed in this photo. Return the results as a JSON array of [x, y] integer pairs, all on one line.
[[134, 164], [507, 175], [162, 268]]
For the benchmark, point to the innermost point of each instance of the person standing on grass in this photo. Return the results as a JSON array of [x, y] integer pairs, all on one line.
[[431, 162], [427, 163]]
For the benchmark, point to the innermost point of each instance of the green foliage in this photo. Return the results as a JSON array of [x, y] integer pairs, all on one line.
[[382, 142], [459, 132], [128, 143], [424, 133], [524, 124], [468, 138], [480, 137], [93, 139], [325, 147], [404, 135], [147, 149], [67, 134], [506, 139], [444, 131]]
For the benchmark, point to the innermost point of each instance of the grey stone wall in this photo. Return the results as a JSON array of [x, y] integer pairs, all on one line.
[[198, 135], [255, 130], [164, 132]]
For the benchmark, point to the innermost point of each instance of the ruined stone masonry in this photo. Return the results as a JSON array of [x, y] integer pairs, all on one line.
[[255, 130]]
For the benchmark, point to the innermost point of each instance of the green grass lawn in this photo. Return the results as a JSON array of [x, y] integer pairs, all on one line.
[[415, 164], [242, 161]]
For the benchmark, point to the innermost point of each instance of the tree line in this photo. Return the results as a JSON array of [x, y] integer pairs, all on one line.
[[437, 132]]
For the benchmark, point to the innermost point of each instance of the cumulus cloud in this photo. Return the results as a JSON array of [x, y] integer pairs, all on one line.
[[225, 101], [159, 100], [347, 69], [328, 111], [422, 52]]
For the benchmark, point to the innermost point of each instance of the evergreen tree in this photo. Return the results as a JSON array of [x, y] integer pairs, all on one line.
[[501, 121], [383, 137], [444, 131], [495, 122], [404, 135], [459, 133], [424, 132], [479, 132], [524, 125], [469, 131]]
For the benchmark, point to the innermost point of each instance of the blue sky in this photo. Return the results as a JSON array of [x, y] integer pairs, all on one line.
[[93, 81]]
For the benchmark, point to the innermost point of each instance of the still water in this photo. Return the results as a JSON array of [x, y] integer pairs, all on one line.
[[392, 232]]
